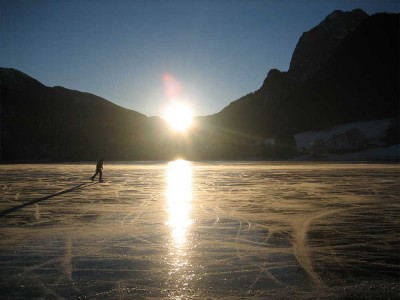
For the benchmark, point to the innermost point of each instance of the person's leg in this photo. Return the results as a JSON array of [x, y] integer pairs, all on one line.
[[101, 175], [94, 176]]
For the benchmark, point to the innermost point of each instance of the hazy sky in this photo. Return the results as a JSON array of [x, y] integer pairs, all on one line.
[[217, 51]]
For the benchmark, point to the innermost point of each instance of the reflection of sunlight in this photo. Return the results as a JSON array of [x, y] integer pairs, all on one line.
[[179, 197], [179, 203]]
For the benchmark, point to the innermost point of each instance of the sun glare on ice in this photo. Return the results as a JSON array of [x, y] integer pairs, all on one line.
[[179, 116], [179, 198]]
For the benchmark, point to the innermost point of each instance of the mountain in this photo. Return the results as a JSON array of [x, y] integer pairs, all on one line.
[[316, 46], [44, 123], [344, 70], [355, 78]]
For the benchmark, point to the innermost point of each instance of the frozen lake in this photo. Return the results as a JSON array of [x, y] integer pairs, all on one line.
[[195, 230]]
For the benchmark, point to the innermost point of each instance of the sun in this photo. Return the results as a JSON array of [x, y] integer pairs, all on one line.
[[179, 116]]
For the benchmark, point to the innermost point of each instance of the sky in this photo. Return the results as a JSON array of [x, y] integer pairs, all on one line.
[[130, 52]]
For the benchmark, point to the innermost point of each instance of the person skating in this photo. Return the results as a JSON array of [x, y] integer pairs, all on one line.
[[99, 170]]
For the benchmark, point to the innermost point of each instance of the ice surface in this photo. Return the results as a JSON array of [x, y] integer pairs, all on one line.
[[196, 230]]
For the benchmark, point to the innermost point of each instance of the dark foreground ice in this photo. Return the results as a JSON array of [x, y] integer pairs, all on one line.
[[196, 230]]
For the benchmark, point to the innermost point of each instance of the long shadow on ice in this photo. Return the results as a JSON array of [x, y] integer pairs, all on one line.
[[18, 207]]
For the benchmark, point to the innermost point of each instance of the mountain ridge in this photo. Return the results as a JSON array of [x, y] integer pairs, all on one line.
[[280, 99], [9, 78], [40, 122], [319, 43], [357, 81]]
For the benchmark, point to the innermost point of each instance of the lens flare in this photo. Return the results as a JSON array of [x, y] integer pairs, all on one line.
[[172, 87]]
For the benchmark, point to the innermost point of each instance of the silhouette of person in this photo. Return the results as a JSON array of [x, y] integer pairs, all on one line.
[[99, 170]]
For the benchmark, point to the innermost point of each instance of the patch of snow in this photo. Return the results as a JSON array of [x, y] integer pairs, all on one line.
[[373, 130]]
